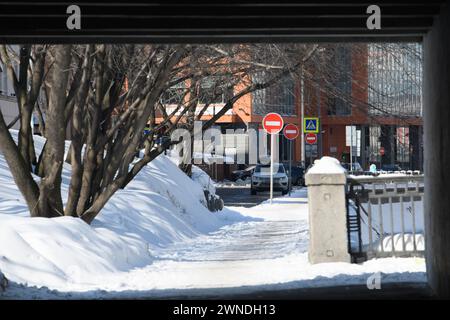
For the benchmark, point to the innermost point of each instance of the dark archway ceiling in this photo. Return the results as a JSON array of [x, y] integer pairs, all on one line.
[[216, 21]]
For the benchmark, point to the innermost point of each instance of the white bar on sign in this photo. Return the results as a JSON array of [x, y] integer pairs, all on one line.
[[273, 123], [291, 131]]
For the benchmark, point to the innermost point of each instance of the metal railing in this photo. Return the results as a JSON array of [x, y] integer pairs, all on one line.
[[385, 216]]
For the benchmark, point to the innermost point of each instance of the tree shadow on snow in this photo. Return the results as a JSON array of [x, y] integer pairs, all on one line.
[[393, 286]]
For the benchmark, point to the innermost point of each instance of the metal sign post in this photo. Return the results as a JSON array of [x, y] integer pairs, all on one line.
[[311, 140], [290, 132], [351, 148], [272, 153], [311, 126], [302, 115], [272, 124], [290, 167]]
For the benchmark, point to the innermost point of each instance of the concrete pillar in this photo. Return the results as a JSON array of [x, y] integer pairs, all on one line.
[[327, 212], [437, 152]]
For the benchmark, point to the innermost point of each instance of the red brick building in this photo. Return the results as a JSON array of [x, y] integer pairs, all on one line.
[[364, 93], [394, 126]]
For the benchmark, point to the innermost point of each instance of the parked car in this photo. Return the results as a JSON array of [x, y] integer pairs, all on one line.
[[242, 174], [297, 174], [261, 179]]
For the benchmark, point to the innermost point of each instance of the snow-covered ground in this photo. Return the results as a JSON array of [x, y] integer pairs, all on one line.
[[203, 179], [157, 239], [234, 184]]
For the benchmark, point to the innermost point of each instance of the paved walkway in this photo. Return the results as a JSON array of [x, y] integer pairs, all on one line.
[[243, 241]]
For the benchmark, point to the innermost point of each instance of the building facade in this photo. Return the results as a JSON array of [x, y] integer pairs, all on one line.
[[370, 91], [8, 101], [373, 94], [384, 112]]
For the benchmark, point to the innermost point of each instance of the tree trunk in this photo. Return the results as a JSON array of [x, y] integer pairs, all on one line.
[[89, 215], [75, 181], [50, 201], [19, 169], [25, 135]]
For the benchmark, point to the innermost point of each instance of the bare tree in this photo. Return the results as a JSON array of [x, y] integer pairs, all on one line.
[[31, 70], [104, 96]]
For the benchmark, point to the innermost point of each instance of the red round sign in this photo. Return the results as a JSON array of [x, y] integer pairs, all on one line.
[[272, 123], [291, 131], [311, 138], [381, 151]]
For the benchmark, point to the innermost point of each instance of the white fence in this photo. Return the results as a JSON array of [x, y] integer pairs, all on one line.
[[385, 216]]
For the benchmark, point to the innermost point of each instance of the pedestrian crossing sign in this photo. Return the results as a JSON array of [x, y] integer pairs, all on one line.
[[310, 125]]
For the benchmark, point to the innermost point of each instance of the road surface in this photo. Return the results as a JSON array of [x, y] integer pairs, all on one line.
[[239, 196]]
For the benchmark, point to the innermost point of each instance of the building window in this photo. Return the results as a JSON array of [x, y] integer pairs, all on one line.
[[174, 95], [395, 79], [213, 90], [279, 97], [339, 104]]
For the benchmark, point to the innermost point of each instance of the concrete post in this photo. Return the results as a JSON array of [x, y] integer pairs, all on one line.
[[437, 152], [327, 212]]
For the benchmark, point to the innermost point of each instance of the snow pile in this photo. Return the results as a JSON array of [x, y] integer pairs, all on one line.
[[405, 218], [3, 282], [161, 206], [198, 175], [55, 252], [327, 165], [411, 220], [382, 175], [401, 243], [239, 183], [203, 179]]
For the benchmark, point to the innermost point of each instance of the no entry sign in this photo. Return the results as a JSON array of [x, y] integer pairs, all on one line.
[[291, 131], [272, 123], [382, 151], [311, 138]]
